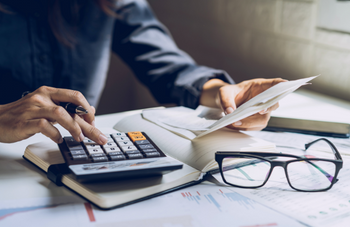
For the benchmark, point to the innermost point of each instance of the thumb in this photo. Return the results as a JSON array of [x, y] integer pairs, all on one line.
[[227, 99]]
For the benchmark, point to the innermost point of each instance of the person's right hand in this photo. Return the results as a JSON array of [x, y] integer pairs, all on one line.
[[39, 110]]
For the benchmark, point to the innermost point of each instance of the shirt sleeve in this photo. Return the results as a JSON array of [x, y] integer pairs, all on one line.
[[148, 48]]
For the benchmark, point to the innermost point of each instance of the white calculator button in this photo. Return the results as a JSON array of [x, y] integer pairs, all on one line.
[[95, 151], [110, 145], [107, 135], [110, 140], [111, 149], [118, 134], [129, 148], [88, 141], [125, 143], [123, 138], [92, 146]]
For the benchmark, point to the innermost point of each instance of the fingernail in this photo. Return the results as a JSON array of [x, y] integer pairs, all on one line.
[[93, 123], [60, 140], [81, 137], [228, 110], [238, 123], [103, 139]]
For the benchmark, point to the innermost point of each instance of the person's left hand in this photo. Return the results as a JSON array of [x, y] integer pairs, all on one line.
[[228, 97]]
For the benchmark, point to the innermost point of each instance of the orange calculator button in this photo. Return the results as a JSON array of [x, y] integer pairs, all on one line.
[[131, 134], [135, 138]]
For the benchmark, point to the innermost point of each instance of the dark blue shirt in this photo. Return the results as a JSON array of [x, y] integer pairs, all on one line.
[[31, 56]]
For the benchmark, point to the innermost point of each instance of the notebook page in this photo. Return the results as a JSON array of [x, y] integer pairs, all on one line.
[[197, 154]]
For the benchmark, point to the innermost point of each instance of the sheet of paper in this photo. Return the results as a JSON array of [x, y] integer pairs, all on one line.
[[194, 124], [285, 140], [330, 208], [202, 205]]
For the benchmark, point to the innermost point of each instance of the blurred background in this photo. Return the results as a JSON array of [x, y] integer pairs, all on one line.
[[249, 39]]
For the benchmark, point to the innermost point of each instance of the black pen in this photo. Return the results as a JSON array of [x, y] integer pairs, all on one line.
[[72, 108]]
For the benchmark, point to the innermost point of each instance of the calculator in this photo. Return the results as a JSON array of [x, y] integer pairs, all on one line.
[[125, 155]]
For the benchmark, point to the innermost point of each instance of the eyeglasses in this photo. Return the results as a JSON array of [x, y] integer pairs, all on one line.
[[304, 173]]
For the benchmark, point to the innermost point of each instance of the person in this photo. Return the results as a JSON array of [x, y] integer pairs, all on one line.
[[59, 50]]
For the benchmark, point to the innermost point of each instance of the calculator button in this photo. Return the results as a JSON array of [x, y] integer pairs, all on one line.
[[72, 144], [140, 142], [95, 151], [134, 156], [118, 134], [117, 157], [129, 148], [80, 157], [131, 134], [115, 153], [149, 150], [77, 152], [92, 146], [98, 155], [110, 145], [107, 135], [125, 143], [135, 138], [88, 141], [123, 138], [152, 154], [111, 149], [110, 140], [100, 159], [146, 146], [132, 152]]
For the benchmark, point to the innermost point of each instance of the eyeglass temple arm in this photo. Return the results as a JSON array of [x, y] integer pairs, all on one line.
[[334, 149]]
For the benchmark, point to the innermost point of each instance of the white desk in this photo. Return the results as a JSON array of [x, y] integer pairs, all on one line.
[[24, 185]]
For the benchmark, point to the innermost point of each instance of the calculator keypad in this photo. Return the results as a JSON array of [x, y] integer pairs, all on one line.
[[120, 146]]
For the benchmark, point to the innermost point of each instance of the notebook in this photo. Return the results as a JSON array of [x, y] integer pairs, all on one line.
[[312, 113]]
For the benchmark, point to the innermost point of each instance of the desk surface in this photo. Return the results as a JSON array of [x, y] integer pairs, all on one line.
[[21, 184]]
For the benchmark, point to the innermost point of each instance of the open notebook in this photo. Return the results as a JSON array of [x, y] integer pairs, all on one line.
[[197, 156]]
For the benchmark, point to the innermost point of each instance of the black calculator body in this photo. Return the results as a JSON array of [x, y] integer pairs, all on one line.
[[126, 155]]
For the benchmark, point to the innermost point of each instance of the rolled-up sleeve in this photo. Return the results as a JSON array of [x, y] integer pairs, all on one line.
[[148, 48]]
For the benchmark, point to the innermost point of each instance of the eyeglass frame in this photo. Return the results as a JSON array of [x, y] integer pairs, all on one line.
[[220, 155]]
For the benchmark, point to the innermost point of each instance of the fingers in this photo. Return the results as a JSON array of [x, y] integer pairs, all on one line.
[[61, 116], [92, 110], [45, 127], [270, 109], [255, 122], [227, 99], [66, 95], [90, 131], [267, 83]]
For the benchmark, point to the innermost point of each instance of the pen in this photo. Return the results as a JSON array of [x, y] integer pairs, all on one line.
[[72, 108]]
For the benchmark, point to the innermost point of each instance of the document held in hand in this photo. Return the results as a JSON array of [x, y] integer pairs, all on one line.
[[193, 124]]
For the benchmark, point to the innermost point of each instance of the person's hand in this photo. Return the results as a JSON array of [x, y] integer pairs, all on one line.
[[39, 110], [228, 97]]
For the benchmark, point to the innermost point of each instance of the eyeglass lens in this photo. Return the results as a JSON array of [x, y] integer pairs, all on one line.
[[311, 175], [250, 172]]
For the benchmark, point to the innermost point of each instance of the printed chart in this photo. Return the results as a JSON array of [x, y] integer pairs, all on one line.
[[201, 205], [198, 206]]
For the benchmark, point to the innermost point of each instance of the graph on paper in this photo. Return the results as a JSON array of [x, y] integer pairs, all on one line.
[[215, 198]]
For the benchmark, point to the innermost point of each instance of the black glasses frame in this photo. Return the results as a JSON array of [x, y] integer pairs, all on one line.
[[220, 155]]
